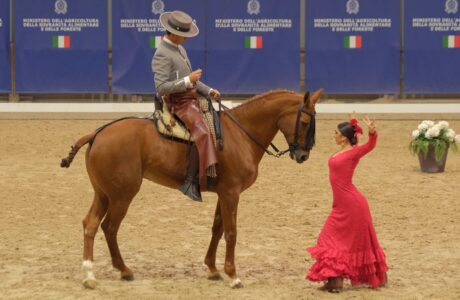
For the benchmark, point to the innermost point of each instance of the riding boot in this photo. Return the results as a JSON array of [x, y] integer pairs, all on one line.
[[191, 186]]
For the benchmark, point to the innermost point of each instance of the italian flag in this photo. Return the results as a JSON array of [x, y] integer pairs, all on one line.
[[253, 42], [451, 41], [61, 41], [352, 41], [155, 41]]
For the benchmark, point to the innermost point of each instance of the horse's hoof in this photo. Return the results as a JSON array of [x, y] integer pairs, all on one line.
[[214, 276], [236, 284], [127, 277], [90, 283]]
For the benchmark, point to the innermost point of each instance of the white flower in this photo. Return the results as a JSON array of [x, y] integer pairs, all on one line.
[[423, 126], [457, 139], [450, 134], [435, 131], [432, 132], [443, 124], [437, 127], [429, 123]]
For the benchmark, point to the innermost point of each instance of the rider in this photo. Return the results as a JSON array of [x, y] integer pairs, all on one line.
[[175, 79]]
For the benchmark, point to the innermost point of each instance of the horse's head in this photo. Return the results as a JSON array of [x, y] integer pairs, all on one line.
[[299, 125]]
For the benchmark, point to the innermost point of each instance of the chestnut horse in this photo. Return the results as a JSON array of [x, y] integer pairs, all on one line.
[[125, 152]]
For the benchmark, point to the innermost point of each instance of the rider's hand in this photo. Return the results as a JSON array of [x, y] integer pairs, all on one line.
[[195, 76], [215, 94]]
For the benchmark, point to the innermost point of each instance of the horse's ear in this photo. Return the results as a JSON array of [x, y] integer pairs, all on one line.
[[316, 96], [306, 97]]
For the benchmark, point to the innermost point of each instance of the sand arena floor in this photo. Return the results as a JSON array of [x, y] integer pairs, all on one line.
[[164, 237]]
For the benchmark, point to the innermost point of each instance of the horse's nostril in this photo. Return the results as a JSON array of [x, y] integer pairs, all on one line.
[[304, 157]]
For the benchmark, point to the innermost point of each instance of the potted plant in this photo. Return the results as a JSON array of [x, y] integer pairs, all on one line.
[[431, 141]]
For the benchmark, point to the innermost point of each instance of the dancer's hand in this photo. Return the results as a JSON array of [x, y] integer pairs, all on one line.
[[370, 123], [352, 116]]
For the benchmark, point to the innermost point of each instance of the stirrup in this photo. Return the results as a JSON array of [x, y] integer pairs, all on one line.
[[192, 190]]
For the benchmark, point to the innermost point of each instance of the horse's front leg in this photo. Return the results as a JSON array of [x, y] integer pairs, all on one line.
[[217, 231], [228, 209]]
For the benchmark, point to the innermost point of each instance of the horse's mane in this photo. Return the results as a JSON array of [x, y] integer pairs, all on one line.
[[257, 99]]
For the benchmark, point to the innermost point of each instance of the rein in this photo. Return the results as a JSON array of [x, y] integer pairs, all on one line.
[[309, 141], [278, 152]]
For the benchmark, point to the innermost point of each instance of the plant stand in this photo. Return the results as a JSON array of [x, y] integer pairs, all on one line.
[[429, 164]]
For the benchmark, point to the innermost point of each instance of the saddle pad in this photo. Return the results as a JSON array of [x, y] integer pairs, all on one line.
[[178, 130], [164, 127]]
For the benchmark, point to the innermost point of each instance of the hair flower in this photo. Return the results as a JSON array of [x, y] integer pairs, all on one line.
[[358, 129]]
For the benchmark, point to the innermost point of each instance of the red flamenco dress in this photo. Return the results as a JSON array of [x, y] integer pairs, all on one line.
[[347, 246]]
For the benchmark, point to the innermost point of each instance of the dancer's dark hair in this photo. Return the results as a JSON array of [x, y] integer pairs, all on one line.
[[348, 131]]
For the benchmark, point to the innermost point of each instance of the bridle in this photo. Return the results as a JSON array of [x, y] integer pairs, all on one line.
[[310, 135], [309, 138]]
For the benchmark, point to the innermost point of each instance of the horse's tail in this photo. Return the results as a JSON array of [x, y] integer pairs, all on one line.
[[65, 163]]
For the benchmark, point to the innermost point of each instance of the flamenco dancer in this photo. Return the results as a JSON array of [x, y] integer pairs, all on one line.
[[347, 247]]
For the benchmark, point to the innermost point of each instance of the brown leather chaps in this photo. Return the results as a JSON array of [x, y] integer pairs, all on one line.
[[187, 108]]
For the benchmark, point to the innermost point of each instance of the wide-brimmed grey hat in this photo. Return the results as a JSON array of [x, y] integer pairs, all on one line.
[[179, 23]]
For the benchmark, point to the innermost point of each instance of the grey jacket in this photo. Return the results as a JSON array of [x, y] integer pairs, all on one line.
[[170, 64]]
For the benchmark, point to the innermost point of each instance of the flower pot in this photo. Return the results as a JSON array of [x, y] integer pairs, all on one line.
[[429, 164]]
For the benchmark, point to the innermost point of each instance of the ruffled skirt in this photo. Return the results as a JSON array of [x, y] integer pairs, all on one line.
[[366, 267]]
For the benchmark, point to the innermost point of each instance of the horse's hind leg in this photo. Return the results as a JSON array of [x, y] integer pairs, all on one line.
[[217, 231], [117, 211], [90, 225]]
